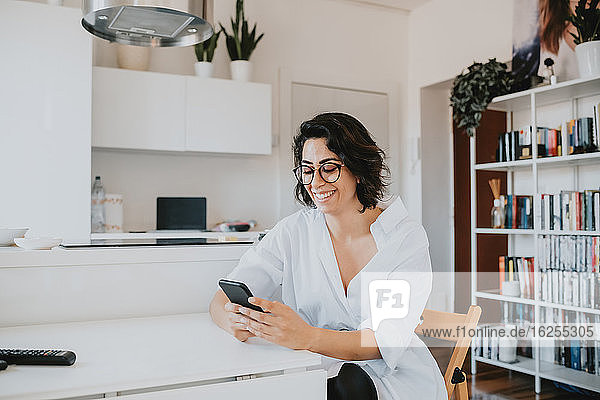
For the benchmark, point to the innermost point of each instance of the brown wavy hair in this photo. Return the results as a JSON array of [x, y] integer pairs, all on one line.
[[348, 138], [553, 22]]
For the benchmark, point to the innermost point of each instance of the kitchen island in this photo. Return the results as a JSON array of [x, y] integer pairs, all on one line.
[[69, 285]]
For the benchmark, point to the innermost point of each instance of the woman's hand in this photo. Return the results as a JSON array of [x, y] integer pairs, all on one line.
[[236, 327], [279, 324]]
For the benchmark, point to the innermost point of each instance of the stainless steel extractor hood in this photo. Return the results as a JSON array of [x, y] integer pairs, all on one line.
[[150, 23]]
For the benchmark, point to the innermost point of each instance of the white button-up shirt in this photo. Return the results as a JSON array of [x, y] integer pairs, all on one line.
[[296, 262]]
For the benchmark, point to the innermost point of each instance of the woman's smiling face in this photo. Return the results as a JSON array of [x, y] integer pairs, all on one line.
[[330, 198]]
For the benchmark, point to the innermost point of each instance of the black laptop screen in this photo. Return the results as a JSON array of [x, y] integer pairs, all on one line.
[[181, 213]]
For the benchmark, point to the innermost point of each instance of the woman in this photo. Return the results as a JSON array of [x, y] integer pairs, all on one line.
[[319, 257]]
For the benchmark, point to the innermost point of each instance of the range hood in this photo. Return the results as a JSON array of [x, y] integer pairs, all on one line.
[[149, 23]]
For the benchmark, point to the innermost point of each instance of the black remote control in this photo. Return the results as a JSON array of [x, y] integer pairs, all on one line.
[[37, 357]]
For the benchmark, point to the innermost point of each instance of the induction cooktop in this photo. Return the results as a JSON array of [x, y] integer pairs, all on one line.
[[96, 243]]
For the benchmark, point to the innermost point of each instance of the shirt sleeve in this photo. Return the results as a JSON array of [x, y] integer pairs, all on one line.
[[261, 267], [413, 265]]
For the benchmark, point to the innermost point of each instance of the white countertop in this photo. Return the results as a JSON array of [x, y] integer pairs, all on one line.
[[16, 257], [170, 234], [136, 353]]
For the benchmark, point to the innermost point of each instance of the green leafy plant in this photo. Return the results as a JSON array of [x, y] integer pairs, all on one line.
[[586, 21], [205, 51], [241, 42], [473, 90]]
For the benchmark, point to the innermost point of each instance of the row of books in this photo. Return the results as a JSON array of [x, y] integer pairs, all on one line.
[[519, 269], [514, 145], [569, 253], [569, 270], [486, 342], [571, 288], [575, 353], [571, 210], [518, 211], [581, 135]]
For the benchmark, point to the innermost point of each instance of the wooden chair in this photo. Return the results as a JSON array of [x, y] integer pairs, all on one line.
[[431, 320]]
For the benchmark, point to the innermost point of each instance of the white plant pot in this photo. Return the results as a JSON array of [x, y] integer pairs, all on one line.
[[588, 58], [204, 69], [133, 57], [241, 70]]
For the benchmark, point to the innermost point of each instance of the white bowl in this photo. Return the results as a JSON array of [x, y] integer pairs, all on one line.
[[38, 243], [7, 235]]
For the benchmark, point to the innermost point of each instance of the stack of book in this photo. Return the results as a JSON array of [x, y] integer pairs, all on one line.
[[519, 269], [569, 270], [518, 211], [570, 210], [582, 134], [574, 352]]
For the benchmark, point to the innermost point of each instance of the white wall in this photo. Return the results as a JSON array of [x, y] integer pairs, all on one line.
[[445, 37], [326, 36]]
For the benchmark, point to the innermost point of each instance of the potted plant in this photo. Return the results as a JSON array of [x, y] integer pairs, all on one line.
[[240, 44], [587, 40], [473, 90], [205, 52]]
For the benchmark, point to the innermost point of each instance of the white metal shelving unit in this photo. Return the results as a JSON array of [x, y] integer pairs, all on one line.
[[531, 100]]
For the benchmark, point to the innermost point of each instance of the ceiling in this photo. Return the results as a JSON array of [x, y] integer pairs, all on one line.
[[406, 5]]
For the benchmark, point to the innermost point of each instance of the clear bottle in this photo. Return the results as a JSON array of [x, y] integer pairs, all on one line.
[[497, 215], [97, 206]]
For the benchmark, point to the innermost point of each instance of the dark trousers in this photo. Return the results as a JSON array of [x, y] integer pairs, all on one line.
[[351, 383]]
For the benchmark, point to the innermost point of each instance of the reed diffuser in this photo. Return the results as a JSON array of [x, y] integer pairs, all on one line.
[[497, 210]]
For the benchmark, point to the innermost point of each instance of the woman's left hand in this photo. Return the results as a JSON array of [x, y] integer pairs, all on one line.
[[278, 324]]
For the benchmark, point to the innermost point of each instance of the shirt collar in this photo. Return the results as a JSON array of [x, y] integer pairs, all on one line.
[[394, 213]]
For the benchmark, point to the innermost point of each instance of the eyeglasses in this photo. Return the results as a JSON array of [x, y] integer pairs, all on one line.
[[329, 172]]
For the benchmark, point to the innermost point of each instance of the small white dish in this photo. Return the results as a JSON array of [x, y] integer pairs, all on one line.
[[7, 235], [37, 243]]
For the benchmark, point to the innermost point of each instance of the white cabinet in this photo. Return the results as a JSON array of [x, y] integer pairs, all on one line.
[[228, 116], [45, 113], [165, 112], [138, 110]]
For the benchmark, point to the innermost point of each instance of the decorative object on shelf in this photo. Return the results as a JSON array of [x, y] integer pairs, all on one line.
[[205, 52], [548, 73], [97, 213], [474, 89], [113, 211], [133, 57], [587, 22], [240, 44], [497, 210]]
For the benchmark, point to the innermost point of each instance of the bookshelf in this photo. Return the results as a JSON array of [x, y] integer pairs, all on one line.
[[545, 106]]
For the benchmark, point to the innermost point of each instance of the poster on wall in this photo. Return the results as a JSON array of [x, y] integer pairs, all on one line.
[[540, 34]]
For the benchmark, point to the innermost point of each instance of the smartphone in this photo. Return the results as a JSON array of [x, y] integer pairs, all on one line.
[[238, 293]]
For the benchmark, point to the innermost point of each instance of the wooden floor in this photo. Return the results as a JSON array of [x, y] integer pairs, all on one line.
[[492, 383]]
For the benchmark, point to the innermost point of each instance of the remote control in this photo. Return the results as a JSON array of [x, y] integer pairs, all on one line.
[[37, 357]]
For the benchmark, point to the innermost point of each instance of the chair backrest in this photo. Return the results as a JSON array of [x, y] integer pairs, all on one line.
[[452, 327]]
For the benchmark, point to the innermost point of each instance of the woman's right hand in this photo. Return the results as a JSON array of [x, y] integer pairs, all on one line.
[[235, 325]]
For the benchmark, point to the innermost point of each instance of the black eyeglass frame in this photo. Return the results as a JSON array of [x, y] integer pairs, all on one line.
[[320, 169]]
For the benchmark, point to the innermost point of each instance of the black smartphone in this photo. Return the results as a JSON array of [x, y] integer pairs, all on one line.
[[238, 293]]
